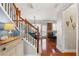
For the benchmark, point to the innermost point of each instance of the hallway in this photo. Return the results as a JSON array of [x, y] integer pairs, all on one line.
[[49, 49], [45, 29]]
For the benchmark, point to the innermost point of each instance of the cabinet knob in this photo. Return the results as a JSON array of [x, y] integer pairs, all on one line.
[[4, 49]]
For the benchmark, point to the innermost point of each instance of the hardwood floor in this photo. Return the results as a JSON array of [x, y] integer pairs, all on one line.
[[49, 49]]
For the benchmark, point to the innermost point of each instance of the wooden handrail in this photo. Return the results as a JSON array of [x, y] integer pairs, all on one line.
[[38, 40], [14, 6], [29, 23], [37, 32], [18, 15], [20, 19]]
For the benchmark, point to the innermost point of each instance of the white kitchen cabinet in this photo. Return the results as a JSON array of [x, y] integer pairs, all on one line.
[[14, 48], [12, 52], [19, 49], [1, 54], [5, 54]]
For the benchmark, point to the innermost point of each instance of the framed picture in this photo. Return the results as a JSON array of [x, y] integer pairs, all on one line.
[[67, 23], [71, 19], [73, 26]]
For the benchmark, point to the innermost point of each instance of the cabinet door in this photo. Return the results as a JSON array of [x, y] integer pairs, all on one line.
[[12, 49], [12, 52], [6, 54], [19, 49], [1, 54]]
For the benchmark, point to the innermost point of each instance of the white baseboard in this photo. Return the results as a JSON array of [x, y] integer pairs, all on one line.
[[32, 55], [69, 50], [66, 50], [59, 48]]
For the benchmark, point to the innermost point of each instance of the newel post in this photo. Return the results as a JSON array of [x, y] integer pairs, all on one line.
[[37, 39]]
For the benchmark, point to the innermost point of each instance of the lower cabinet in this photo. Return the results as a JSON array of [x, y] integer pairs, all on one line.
[[10, 52], [14, 48], [19, 49]]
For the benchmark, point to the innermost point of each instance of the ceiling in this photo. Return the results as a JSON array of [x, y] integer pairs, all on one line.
[[41, 11], [43, 22]]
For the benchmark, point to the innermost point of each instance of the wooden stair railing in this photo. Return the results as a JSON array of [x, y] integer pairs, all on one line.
[[12, 11], [36, 30], [19, 19], [17, 14], [27, 22]]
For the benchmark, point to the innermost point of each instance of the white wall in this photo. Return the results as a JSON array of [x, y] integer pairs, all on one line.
[[70, 33], [66, 36], [29, 50], [60, 32], [54, 26], [44, 30], [78, 32]]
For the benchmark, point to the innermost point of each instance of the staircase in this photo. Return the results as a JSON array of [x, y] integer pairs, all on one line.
[[29, 33], [31, 37]]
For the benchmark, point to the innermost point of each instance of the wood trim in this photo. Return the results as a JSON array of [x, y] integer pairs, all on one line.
[[14, 5], [10, 39], [27, 22], [20, 19], [37, 32], [38, 40], [18, 13]]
